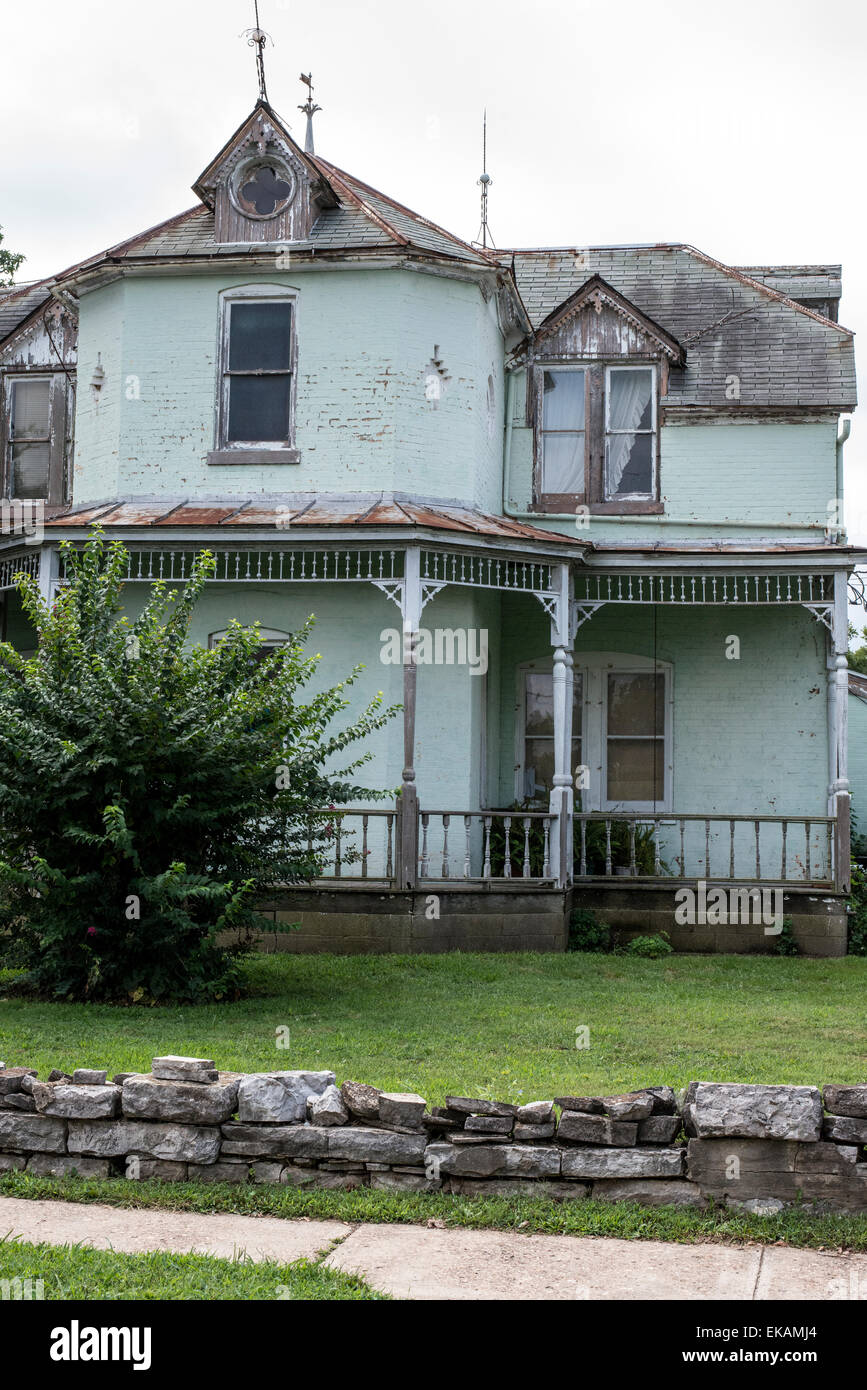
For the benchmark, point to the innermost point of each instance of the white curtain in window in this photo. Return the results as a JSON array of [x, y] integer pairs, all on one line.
[[628, 403]]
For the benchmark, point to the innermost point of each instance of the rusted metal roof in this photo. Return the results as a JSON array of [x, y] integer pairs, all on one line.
[[358, 512]]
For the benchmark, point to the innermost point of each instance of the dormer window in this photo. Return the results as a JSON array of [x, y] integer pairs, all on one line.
[[262, 189], [596, 438]]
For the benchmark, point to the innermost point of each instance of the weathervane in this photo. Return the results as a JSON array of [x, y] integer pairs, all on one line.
[[257, 38], [485, 183], [309, 108]]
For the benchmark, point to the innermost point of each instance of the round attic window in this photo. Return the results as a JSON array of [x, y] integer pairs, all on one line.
[[262, 188]]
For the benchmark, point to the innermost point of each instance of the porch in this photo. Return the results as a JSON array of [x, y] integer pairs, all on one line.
[[621, 794]]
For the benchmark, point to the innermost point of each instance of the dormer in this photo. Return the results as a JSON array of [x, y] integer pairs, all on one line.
[[598, 368], [262, 187]]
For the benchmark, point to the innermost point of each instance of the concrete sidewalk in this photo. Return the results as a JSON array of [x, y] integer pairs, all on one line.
[[420, 1263]]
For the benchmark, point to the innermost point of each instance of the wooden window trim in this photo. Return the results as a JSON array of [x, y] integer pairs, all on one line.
[[593, 497], [60, 414], [254, 452]]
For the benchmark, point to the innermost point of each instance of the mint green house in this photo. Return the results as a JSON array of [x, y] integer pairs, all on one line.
[[578, 510]]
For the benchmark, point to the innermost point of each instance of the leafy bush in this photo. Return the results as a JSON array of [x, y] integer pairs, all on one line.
[[150, 792], [650, 947], [586, 933], [785, 944], [857, 912]]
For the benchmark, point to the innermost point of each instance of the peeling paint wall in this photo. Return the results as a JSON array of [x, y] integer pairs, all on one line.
[[365, 421], [781, 474]]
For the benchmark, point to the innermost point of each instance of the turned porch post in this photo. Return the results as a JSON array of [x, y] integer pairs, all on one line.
[[838, 730], [562, 794], [411, 613]]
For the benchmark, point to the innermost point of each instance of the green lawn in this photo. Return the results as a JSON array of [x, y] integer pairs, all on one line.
[[75, 1272], [625, 1220], [488, 1025]]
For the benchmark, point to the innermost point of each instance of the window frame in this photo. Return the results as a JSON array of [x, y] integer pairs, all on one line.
[[596, 410], [595, 668], [59, 439], [266, 451], [650, 495]]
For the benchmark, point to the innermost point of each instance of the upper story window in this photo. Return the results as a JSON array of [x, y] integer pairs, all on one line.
[[257, 375], [35, 443], [596, 439]]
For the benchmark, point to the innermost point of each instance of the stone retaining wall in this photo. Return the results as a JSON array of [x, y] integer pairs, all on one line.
[[754, 1147]]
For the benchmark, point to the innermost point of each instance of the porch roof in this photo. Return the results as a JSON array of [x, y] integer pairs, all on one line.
[[376, 512]]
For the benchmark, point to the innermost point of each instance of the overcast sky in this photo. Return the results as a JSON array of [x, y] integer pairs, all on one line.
[[738, 127]]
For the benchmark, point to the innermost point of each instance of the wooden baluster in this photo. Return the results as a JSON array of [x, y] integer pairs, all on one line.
[[468, 867], [389, 866], [546, 862], [682, 852], [657, 858], [338, 830], [829, 861], [731, 849], [507, 827], [783, 864], [425, 861], [526, 847], [707, 849], [583, 848], [446, 820], [486, 865], [608, 846], [807, 829], [758, 827], [364, 820], [633, 864]]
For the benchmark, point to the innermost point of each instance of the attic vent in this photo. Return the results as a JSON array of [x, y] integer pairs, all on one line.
[[262, 189]]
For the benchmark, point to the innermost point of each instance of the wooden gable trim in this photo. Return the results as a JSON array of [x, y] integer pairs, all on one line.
[[207, 180], [597, 293]]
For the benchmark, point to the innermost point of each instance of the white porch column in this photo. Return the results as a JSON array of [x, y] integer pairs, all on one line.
[[49, 571], [562, 800], [838, 731], [411, 606]]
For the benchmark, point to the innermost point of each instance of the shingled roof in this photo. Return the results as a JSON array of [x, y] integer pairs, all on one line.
[[730, 324], [18, 303]]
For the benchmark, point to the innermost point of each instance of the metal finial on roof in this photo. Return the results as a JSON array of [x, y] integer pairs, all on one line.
[[484, 183], [257, 38], [309, 108]]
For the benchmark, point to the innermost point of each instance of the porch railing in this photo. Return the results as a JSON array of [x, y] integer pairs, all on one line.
[[355, 845], [360, 845], [485, 846], [729, 848]]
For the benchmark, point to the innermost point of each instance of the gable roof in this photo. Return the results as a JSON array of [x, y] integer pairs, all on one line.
[[597, 293], [731, 325], [18, 302]]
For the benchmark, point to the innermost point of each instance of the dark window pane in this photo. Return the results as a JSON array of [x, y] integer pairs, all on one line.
[[264, 191], [29, 470], [30, 410], [260, 337], [629, 464], [563, 400], [258, 409], [636, 704], [636, 769]]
